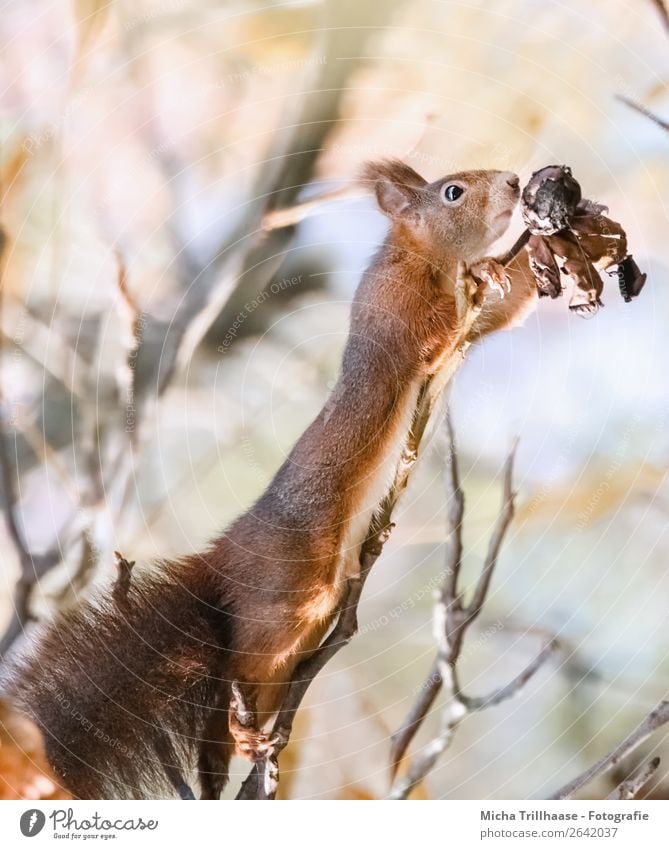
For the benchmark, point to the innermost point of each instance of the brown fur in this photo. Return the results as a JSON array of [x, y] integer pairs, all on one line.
[[153, 672]]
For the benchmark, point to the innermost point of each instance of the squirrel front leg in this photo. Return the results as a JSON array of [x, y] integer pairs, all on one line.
[[503, 313], [249, 740], [232, 731], [491, 273], [468, 294]]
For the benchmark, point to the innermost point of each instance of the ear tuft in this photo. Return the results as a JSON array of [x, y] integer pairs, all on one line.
[[395, 184]]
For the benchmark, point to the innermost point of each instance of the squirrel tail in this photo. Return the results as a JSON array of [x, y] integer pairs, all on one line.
[[124, 688]]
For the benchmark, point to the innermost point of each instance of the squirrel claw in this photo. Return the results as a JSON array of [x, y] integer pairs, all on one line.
[[250, 743], [492, 274]]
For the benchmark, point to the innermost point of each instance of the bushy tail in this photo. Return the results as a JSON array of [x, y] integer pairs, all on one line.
[[123, 688]]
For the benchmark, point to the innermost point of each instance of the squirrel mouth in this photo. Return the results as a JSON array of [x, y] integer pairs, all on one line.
[[505, 213], [502, 220]]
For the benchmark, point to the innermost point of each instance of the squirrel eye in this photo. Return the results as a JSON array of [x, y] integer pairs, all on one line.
[[452, 192]]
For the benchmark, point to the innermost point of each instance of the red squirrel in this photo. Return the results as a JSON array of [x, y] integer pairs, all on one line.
[[132, 690]]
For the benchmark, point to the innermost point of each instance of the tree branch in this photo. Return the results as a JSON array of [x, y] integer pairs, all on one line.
[[124, 576], [628, 788], [661, 7], [501, 528], [658, 717], [32, 566], [452, 619], [642, 110], [513, 688], [263, 781]]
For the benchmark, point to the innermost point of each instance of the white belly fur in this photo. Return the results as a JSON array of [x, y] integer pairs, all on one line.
[[372, 489]]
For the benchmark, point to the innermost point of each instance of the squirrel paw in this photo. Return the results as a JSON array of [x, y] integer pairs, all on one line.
[[586, 310], [493, 274], [250, 743], [584, 303]]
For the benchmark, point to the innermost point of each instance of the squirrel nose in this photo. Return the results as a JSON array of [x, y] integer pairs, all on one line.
[[513, 180]]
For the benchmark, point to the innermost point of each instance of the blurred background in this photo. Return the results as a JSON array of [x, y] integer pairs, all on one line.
[[167, 336]]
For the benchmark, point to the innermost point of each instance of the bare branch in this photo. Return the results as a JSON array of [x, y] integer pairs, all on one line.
[[263, 781], [658, 717], [456, 510], [642, 110], [402, 738], [43, 345], [122, 583], [452, 619], [515, 249], [292, 215], [132, 332], [628, 788], [661, 7], [502, 526], [513, 688], [33, 566]]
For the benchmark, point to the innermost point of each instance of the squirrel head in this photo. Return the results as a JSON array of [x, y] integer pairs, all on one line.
[[458, 216]]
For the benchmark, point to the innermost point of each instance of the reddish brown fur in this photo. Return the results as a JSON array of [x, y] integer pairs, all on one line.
[[154, 672]]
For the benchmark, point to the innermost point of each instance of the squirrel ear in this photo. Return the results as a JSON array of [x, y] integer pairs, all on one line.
[[395, 184]]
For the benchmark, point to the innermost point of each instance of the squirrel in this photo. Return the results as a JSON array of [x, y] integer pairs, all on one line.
[[132, 690]]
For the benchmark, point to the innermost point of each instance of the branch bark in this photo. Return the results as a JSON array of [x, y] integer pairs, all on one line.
[[452, 619], [629, 788], [658, 717], [642, 110]]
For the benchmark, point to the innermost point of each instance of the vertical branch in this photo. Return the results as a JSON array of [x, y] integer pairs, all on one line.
[[503, 522], [661, 7], [32, 566], [452, 619], [455, 508]]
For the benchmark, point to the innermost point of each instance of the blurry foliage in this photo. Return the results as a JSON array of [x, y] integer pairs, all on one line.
[[145, 141], [24, 772]]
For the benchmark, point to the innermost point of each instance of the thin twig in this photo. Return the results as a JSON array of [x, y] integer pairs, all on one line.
[[499, 533], [400, 740], [655, 719], [515, 249], [32, 566], [661, 7], [513, 688], [122, 582], [43, 344], [289, 216], [456, 512], [452, 619], [629, 788], [643, 111], [263, 781]]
